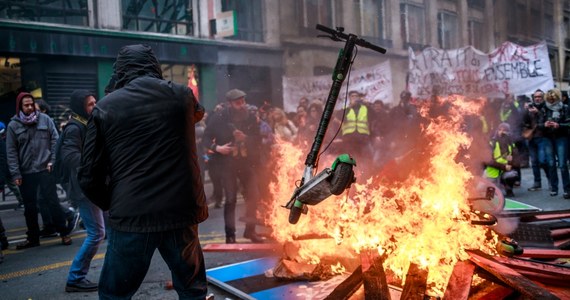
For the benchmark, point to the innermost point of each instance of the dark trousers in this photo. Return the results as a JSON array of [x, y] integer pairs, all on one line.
[[129, 255], [46, 183], [244, 171], [215, 171]]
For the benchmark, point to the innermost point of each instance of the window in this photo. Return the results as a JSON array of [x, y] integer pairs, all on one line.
[[413, 24], [478, 4], [548, 20], [372, 16], [58, 11], [167, 16], [535, 14], [566, 75], [313, 12], [553, 55], [476, 36], [517, 22], [447, 30], [249, 19]]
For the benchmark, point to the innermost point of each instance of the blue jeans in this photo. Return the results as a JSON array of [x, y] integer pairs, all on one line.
[[92, 217], [558, 148], [536, 147], [129, 255]]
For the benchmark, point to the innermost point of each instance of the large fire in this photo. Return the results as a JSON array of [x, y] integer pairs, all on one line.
[[424, 219]]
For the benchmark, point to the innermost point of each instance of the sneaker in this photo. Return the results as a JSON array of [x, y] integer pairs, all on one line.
[[66, 240], [566, 196], [46, 232], [83, 286], [553, 193], [230, 240], [27, 244], [72, 222], [509, 194], [254, 237], [534, 188]]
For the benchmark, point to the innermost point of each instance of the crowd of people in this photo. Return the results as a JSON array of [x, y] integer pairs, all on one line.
[[133, 163]]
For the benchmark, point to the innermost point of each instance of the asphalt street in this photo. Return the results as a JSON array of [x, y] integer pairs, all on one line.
[[41, 272]]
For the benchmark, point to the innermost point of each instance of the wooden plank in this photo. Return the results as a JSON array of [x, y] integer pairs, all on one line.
[[459, 283], [537, 271], [560, 233], [510, 276], [540, 267], [348, 287], [545, 253], [239, 247], [530, 216], [374, 277], [416, 283], [493, 292], [562, 243]]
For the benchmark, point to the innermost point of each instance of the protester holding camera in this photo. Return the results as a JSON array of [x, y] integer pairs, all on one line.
[[535, 139], [554, 119]]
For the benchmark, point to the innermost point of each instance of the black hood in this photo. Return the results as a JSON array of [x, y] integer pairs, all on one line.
[[77, 102], [135, 61]]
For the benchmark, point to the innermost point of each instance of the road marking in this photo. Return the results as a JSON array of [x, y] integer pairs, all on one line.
[[50, 241], [42, 268]]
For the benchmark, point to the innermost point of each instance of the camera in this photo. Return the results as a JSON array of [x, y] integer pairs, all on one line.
[[531, 105]]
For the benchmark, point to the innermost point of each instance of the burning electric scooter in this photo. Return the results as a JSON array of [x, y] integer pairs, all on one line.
[[313, 189]]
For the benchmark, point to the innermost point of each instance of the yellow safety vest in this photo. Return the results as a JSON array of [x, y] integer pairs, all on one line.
[[500, 158], [358, 123]]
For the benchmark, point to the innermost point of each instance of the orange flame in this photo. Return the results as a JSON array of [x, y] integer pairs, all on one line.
[[424, 220]]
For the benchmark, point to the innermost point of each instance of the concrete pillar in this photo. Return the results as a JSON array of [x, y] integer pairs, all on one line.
[[109, 14], [431, 22], [272, 24], [559, 38], [489, 25], [463, 19], [395, 26]]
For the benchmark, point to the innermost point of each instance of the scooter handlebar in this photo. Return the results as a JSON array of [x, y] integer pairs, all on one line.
[[341, 35]]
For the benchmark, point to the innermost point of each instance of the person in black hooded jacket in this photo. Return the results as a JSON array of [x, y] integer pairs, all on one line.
[[82, 103], [139, 162]]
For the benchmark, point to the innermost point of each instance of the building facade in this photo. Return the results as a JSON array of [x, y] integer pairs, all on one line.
[[53, 47]]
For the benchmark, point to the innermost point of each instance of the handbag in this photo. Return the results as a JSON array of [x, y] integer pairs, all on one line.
[[527, 133]]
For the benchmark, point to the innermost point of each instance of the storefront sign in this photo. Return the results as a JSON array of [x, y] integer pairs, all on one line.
[[226, 24]]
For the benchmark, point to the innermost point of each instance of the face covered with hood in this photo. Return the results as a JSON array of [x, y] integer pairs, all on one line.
[[504, 130], [135, 61], [81, 103]]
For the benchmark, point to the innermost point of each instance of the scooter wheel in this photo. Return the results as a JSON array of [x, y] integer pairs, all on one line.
[[295, 214], [342, 178]]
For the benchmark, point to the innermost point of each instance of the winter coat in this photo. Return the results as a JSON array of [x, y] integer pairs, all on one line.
[[139, 157], [30, 148]]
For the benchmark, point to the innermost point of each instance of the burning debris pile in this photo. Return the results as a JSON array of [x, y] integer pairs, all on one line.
[[422, 223]]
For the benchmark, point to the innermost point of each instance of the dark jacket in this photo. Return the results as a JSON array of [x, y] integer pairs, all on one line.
[[139, 156], [219, 131], [72, 145], [562, 118]]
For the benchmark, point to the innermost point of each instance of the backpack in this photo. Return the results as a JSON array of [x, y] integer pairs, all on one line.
[[60, 171]]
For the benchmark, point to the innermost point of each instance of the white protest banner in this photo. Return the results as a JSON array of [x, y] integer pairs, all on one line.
[[375, 82], [511, 69]]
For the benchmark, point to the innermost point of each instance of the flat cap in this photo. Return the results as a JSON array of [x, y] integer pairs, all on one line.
[[234, 94]]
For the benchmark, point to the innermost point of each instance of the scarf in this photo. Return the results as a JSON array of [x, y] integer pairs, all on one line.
[[79, 118], [555, 108], [30, 119]]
